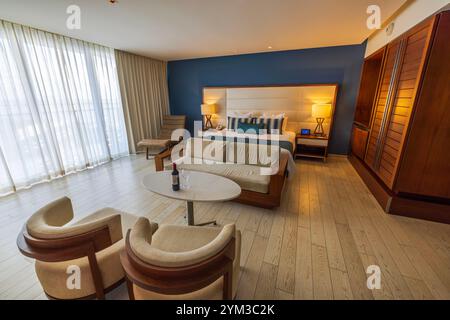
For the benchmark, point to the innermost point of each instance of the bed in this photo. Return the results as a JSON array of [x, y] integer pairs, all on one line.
[[258, 107], [261, 181]]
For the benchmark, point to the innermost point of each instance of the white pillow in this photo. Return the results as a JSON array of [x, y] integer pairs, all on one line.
[[276, 116], [239, 115]]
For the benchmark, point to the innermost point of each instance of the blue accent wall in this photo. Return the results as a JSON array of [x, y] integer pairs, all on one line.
[[340, 65]]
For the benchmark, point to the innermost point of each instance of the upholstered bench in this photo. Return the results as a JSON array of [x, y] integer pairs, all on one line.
[[163, 141], [154, 146]]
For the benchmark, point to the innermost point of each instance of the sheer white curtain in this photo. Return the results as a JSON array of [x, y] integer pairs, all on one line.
[[60, 106]]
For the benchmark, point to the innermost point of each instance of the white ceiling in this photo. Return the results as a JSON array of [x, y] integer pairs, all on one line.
[[181, 29]]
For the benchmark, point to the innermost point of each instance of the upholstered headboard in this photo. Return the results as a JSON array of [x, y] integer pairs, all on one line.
[[295, 101]]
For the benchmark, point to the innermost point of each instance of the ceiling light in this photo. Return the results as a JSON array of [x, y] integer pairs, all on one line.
[[269, 47]]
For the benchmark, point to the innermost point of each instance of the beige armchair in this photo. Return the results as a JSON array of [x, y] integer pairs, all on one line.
[[60, 246], [181, 262]]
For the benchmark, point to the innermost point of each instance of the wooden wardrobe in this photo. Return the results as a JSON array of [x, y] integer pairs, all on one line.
[[401, 133]]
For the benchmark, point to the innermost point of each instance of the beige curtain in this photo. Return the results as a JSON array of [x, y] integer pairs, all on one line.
[[145, 99]]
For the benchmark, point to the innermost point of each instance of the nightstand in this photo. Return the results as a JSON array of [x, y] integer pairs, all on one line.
[[311, 146]]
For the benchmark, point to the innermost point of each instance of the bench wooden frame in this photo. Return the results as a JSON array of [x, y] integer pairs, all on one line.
[[268, 200]]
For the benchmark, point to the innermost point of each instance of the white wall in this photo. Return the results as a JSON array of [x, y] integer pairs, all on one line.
[[407, 18]]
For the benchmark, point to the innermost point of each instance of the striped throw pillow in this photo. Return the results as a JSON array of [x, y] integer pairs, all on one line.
[[233, 122], [271, 124]]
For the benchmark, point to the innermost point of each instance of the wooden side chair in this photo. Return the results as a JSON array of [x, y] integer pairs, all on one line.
[[181, 262], [89, 248], [164, 140]]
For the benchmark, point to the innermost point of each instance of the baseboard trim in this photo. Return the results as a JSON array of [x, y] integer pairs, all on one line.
[[397, 205], [336, 155], [420, 209], [383, 196]]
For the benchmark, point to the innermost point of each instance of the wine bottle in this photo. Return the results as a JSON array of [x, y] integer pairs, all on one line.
[[175, 178]]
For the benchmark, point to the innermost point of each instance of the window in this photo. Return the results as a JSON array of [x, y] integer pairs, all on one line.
[[60, 106]]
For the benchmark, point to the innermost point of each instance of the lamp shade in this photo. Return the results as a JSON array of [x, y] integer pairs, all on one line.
[[321, 110], [208, 109]]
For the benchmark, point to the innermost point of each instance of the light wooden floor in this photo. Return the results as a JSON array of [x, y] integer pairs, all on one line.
[[317, 245]]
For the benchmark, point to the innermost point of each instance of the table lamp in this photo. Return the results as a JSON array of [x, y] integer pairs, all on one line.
[[208, 110], [320, 112]]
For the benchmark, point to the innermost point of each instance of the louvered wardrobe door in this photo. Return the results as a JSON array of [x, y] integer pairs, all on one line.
[[381, 105], [415, 47]]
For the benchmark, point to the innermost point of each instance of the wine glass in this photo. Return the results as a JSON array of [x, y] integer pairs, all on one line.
[[185, 177]]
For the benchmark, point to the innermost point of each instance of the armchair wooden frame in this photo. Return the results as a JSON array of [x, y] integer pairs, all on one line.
[[268, 200], [70, 248], [179, 280]]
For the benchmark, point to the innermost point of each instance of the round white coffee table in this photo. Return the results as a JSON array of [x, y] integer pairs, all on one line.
[[204, 187]]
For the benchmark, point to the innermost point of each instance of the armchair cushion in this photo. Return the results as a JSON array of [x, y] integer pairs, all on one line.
[[178, 246], [52, 222], [211, 292], [46, 220], [127, 221]]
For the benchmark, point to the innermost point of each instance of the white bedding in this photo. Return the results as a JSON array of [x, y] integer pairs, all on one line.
[[289, 136], [291, 168], [286, 136]]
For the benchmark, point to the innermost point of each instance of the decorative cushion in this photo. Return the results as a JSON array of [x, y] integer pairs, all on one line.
[[233, 122], [235, 114], [285, 122], [251, 127], [268, 115], [271, 124]]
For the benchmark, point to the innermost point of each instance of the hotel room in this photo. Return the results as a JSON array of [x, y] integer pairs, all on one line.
[[224, 150]]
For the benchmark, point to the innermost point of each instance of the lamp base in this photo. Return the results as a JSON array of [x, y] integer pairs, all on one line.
[[318, 131], [208, 123]]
